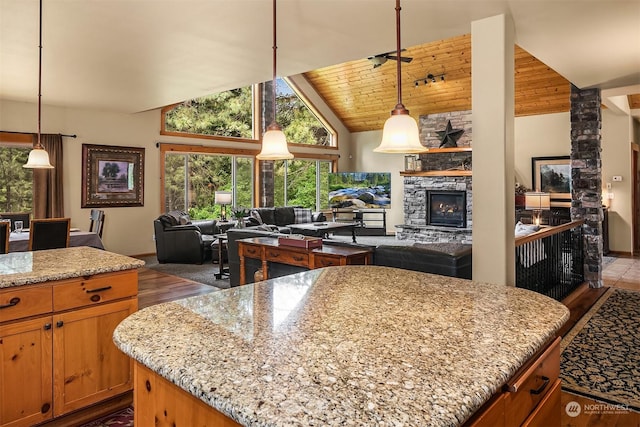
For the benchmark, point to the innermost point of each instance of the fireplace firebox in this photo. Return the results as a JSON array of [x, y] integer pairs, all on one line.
[[447, 208]]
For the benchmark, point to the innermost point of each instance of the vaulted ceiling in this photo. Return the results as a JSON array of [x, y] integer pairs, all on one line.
[[362, 96]]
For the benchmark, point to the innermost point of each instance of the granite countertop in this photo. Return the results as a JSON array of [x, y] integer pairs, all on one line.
[[353, 345], [26, 268]]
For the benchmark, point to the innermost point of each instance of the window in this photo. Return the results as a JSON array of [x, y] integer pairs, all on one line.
[[302, 182], [225, 114], [16, 182], [229, 114], [299, 123], [191, 179]]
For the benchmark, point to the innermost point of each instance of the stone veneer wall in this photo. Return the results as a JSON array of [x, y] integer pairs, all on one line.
[[415, 209], [586, 177], [415, 187]]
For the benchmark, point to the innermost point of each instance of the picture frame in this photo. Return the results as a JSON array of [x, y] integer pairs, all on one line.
[[552, 174], [112, 176], [409, 163]]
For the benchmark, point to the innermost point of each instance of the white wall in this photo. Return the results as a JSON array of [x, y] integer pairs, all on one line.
[[616, 161]]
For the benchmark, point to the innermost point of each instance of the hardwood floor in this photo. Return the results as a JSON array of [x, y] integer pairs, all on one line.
[[155, 288]]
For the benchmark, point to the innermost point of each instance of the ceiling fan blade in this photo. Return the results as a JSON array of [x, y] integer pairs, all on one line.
[[402, 58]]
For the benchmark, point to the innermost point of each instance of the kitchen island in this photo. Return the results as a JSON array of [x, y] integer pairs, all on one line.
[[58, 310], [351, 345]]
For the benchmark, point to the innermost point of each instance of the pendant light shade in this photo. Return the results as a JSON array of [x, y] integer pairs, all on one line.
[[274, 145], [274, 142], [400, 133], [38, 157]]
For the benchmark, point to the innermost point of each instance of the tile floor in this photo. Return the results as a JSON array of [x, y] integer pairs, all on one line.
[[622, 273]]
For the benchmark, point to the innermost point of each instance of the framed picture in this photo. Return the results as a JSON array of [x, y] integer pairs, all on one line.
[[553, 175], [112, 176]]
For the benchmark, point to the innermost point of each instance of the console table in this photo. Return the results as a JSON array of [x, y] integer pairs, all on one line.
[[267, 249]]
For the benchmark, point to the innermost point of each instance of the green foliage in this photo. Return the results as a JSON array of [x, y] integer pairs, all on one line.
[[224, 114], [16, 182]]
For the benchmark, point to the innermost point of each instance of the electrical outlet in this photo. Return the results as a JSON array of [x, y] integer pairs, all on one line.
[[617, 178]]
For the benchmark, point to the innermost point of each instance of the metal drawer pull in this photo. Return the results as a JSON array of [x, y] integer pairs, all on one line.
[[274, 254], [298, 258], [545, 383], [12, 302], [90, 291]]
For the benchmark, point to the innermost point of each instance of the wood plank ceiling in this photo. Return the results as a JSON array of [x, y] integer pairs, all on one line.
[[363, 96]]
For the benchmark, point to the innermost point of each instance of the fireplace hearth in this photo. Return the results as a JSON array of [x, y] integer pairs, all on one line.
[[447, 208]]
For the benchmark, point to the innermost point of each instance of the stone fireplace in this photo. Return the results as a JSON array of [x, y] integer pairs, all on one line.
[[447, 208], [416, 226]]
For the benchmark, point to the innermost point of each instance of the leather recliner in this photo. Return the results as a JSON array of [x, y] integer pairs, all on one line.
[[180, 240]]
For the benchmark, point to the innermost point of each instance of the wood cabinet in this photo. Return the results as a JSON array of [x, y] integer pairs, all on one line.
[[530, 398], [57, 349]]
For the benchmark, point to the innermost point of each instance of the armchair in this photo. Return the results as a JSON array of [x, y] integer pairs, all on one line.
[[180, 240]]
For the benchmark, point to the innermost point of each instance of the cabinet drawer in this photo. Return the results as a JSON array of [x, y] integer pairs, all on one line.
[[287, 257], [529, 388], [549, 411], [320, 261], [19, 302], [95, 290], [250, 251]]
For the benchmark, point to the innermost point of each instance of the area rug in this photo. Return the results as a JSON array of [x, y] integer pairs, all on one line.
[[601, 355], [202, 273], [123, 418]]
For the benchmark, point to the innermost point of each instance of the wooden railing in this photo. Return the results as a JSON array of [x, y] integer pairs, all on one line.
[[551, 261]]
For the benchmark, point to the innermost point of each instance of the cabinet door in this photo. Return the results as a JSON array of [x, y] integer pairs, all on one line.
[[25, 372], [88, 367]]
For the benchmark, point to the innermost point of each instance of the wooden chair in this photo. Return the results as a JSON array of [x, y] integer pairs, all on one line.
[[49, 233], [5, 229], [17, 216], [97, 221]]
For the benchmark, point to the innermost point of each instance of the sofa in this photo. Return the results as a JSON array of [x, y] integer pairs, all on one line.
[[182, 240], [279, 218], [446, 259]]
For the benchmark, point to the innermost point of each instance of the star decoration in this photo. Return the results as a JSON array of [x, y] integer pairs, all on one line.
[[449, 136]]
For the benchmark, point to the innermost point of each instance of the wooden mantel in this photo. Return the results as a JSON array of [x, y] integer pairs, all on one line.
[[437, 173]]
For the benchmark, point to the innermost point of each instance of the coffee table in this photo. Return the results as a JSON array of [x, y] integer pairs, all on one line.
[[322, 229]]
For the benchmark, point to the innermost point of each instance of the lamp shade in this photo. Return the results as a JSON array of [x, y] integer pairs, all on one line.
[[274, 146], [38, 159], [400, 135], [222, 198], [537, 201]]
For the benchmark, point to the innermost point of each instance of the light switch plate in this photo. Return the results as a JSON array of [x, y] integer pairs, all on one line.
[[608, 186], [617, 178]]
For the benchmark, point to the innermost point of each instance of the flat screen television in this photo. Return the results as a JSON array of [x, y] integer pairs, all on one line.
[[360, 190]]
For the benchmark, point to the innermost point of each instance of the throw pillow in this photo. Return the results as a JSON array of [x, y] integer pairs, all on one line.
[[302, 215], [254, 214], [525, 229]]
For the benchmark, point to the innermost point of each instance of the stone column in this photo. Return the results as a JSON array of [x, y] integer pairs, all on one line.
[[586, 177], [266, 167]]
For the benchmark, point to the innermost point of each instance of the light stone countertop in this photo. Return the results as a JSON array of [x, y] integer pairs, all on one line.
[[353, 345], [26, 268]]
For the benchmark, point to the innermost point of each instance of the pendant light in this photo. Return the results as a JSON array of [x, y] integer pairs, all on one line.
[[38, 157], [400, 133], [274, 142]]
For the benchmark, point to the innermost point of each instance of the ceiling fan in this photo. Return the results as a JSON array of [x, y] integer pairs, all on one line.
[[380, 59]]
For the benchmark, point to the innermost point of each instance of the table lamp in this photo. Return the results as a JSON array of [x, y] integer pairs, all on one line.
[[222, 198], [537, 202]]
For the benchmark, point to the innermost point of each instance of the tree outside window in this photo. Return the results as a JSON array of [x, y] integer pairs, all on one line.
[[16, 182]]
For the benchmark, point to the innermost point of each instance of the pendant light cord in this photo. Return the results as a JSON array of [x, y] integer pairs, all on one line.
[[398, 61], [38, 144], [275, 49]]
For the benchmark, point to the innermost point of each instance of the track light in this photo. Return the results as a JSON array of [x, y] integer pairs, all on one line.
[[431, 78]]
